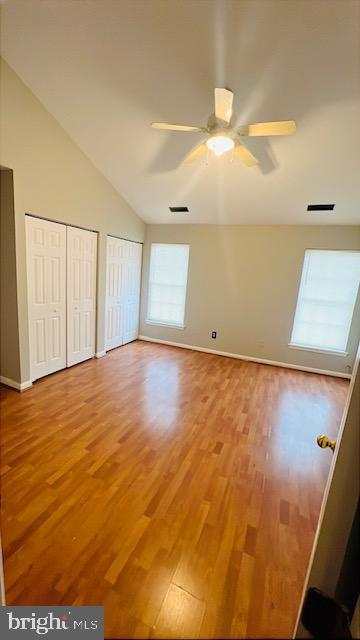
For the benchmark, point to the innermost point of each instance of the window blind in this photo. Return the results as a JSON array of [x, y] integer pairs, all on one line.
[[326, 299], [167, 283]]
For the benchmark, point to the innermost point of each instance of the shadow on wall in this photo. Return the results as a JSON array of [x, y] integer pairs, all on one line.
[[9, 325]]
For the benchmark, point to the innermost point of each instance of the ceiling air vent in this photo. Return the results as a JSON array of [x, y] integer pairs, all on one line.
[[179, 209], [320, 207]]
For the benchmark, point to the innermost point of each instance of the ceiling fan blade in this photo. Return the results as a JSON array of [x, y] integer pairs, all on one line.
[[282, 128], [223, 104], [175, 127], [245, 155], [196, 153]]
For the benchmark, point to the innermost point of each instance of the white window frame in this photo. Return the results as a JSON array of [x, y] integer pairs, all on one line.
[[160, 323], [303, 347]]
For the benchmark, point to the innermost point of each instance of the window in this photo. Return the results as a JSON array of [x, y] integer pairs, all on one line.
[[167, 283], [326, 300]]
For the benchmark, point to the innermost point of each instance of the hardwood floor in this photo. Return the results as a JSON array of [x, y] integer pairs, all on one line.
[[179, 489]]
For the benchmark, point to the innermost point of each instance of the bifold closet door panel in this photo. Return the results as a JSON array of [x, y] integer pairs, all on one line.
[[114, 297], [122, 291], [46, 275], [131, 288], [81, 294]]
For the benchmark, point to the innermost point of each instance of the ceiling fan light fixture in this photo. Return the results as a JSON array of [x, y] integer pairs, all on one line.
[[219, 144], [222, 135]]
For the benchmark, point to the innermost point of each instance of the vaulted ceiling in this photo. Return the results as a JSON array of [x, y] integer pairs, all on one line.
[[106, 69]]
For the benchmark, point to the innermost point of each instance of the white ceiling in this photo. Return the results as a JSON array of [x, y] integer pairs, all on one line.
[[107, 68]]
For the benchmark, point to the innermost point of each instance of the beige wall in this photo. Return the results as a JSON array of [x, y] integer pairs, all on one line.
[[54, 179], [9, 328], [243, 283]]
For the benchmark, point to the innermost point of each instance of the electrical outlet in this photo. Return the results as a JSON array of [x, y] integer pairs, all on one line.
[[213, 335]]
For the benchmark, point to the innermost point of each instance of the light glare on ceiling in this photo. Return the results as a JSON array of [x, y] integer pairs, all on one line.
[[220, 144]]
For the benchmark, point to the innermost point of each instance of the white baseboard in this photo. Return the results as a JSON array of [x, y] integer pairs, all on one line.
[[19, 386], [100, 354], [274, 363]]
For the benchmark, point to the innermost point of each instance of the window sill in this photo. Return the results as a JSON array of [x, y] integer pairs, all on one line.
[[165, 324], [331, 352]]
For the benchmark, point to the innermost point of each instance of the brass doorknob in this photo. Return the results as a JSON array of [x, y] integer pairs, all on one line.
[[323, 442]]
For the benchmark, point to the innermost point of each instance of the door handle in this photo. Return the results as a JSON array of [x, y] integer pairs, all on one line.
[[323, 442]]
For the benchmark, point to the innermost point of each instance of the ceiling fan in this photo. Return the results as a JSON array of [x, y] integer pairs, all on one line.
[[222, 137]]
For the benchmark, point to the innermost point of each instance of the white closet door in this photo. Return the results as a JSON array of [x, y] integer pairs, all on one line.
[[132, 277], [122, 291], [114, 301], [46, 273], [81, 294]]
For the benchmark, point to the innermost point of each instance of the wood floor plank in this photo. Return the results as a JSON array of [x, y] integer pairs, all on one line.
[[181, 490], [180, 615]]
